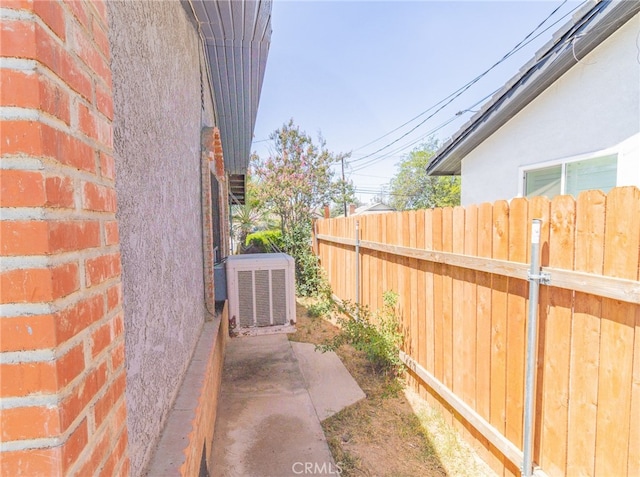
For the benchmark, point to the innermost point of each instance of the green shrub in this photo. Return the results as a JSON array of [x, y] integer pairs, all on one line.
[[321, 308], [376, 334], [266, 241], [309, 278]]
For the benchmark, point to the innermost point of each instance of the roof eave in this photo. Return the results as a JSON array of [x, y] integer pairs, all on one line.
[[236, 37]]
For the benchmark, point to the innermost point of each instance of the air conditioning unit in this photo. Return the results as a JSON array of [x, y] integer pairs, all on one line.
[[261, 289]]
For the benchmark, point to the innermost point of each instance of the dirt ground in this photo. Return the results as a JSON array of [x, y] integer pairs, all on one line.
[[392, 432]]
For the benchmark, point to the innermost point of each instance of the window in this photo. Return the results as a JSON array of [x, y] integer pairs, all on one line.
[[572, 177]]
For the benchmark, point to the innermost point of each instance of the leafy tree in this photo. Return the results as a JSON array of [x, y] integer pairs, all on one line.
[[297, 177], [345, 193], [412, 188], [294, 180]]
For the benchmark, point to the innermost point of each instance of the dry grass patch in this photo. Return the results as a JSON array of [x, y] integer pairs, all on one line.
[[392, 432]]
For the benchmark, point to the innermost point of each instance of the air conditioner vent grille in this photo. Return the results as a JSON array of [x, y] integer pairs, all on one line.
[[245, 298], [263, 304], [279, 301]]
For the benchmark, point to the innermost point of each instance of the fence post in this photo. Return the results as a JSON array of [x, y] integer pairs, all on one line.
[[535, 277], [357, 263]]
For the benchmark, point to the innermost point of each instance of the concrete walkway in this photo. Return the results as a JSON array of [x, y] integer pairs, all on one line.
[[272, 393]]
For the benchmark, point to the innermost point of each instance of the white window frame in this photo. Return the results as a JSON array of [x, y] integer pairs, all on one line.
[[522, 170]]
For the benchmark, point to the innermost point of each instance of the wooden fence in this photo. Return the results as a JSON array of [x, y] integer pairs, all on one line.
[[461, 276]]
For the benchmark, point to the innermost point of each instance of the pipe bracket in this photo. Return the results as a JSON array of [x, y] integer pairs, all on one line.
[[543, 278]]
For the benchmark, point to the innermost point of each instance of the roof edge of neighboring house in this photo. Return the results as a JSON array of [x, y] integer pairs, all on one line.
[[588, 28]]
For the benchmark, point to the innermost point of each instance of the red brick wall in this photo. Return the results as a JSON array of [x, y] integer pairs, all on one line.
[[213, 162], [61, 331]]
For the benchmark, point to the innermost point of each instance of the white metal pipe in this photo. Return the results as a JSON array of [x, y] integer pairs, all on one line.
[[532, 348]]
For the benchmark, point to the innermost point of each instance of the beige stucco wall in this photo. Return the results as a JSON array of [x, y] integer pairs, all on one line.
[[594, 106], [159, 110]]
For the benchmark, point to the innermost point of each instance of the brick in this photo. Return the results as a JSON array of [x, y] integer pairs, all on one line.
[[118, 325], [111, 235], [114, 298], [99, 269], [19, 88], [72, 448], [118, 356], [24, 39], [100, 38], [104, 101], [101, 9], [81, 396], [89, 54], [105, 404], [18, 39], [125, 469], [65, 279], [100, 339], [29, 423], [23, 237], [100, 450], [59, 192], [78, 317], [74, 75], [98, 197], [21, 188], [52, 14], [73, 235], [21, 137], [104, 130], [23, 379], [24, 333], [78, 10], [86, 122], [69, 366], [18, 4], [67, 149], [107, 166], [53, 100], [118, 451], [37, 139], [36, 462], [26, 286]]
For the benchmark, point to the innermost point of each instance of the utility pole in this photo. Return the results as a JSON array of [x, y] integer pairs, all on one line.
[[344, 189]]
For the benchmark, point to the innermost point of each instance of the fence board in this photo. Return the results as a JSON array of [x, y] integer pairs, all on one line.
[[469, 307], [500, 250], [554, 396], [438, 298], [447, 300], [617, 335], [429, 293], [460, 373], [413, 285], [483, 332], [585, 337], [517, 309], [420, 292]]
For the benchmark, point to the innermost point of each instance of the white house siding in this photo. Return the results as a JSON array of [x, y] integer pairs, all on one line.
[[157, 122], [594, 106]]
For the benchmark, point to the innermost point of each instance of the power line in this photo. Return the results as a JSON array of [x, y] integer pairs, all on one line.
[[449, 99]]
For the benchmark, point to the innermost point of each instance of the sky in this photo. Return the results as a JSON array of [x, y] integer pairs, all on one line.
[[356, 71]]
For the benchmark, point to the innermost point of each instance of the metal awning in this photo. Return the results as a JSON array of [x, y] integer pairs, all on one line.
[[236, 34]]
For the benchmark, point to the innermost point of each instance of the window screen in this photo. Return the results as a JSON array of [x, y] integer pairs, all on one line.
[[598, 173], [543, 181]]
